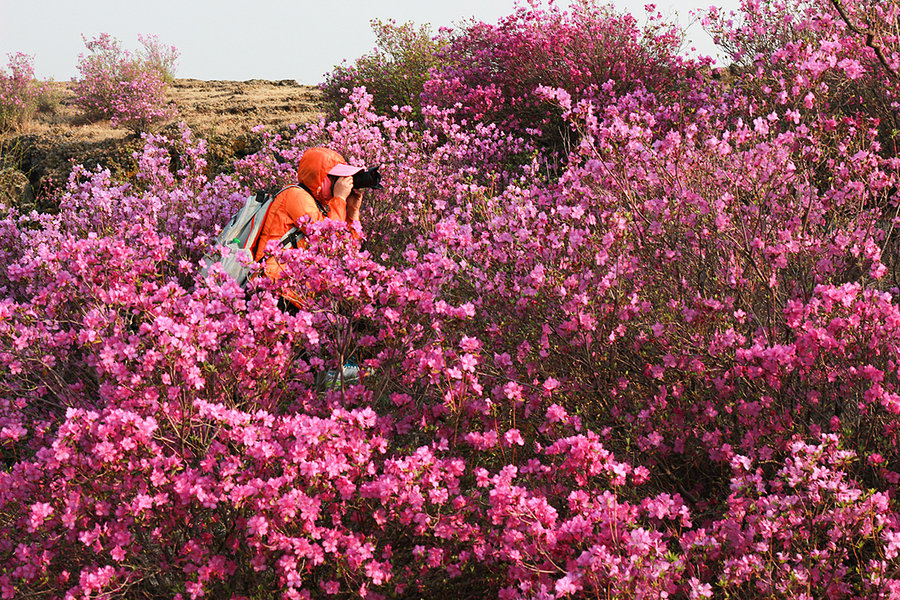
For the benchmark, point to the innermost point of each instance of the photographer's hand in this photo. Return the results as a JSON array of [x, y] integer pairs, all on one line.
[[343, 187], [354, 200]]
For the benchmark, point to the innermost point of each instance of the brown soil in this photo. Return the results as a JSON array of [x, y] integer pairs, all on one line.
[[39, 157]]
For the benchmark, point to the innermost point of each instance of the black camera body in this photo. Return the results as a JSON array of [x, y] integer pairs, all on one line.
[[369, 178]]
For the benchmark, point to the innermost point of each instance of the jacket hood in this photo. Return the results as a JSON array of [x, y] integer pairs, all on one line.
[[312, 171]]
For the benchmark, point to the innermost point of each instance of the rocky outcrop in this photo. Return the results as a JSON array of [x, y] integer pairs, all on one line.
[[15, 191]]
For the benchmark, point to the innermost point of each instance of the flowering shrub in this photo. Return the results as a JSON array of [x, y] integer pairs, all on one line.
[[127, 90], [158, 57], [394, 73], [21, 94], [668, 371]]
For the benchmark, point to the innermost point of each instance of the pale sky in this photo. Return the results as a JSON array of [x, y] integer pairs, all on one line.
[[252, 39]]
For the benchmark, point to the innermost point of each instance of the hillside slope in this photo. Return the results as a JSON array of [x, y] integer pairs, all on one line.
[[222, 112]]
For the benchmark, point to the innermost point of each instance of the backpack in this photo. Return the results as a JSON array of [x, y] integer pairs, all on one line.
[[241, 236]]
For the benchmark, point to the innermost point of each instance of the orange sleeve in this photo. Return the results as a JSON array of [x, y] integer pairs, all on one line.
[[337, 210], [298, 203]]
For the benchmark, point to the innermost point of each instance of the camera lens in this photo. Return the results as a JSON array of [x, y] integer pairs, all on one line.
[[370, 178]]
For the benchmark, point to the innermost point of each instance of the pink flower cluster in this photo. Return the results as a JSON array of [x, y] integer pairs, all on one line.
[[663, 367]]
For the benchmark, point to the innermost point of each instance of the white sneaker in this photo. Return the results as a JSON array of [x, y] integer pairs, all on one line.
[[351, 373]]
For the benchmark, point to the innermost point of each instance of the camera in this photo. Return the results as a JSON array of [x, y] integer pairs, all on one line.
[[370, 178]]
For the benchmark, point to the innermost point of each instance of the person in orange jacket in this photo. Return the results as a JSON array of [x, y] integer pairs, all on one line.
[[324, 191]]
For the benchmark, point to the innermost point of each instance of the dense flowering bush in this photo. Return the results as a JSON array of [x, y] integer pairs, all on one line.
[[126, 89], [491, 72], [21, 93], [844, 59], [668, 371]]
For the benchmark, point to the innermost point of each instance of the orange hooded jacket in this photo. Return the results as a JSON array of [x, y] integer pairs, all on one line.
[[296, 202]]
